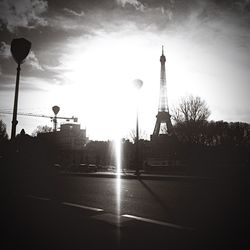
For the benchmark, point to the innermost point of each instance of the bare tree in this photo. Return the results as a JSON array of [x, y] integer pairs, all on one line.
[[132, 135], [191, 109], [3, 132], [41, 129], [191, 119]]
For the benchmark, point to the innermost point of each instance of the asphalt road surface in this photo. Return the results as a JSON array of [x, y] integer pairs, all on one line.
[[73, 212], [178, 202]]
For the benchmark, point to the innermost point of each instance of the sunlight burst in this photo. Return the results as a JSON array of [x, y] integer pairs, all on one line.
[[98, 79], [118, 174]]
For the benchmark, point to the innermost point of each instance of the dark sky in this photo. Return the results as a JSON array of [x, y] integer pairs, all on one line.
[[207, 47]]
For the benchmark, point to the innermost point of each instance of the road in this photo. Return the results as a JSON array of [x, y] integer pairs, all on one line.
[[171, 201], [214, 210]]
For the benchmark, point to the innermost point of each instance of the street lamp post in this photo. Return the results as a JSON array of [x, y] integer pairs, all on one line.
[[138, 84], [20, 48]]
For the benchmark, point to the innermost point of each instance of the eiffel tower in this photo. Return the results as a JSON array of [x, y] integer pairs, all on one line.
[[163, 125]]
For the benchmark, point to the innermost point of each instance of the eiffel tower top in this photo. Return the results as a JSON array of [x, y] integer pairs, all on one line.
[[162, 58], [163, 102]]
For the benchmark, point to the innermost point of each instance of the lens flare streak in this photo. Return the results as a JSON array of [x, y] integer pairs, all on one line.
[[118, 178]]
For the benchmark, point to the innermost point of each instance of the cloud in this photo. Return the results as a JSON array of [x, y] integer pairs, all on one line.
[[135, 3], [5, 50], [60, 22], [33, 61], [243, 5], [23, 13], [235, 5], [74, 13], [6, 66], [26, 83]]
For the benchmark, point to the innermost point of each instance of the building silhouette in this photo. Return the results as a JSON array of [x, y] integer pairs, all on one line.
[[66, 146], [69, 137]]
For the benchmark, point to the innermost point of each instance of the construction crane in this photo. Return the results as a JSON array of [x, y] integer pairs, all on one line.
[[54, 118]]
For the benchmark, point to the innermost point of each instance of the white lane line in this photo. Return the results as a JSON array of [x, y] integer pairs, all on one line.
[[81, 206], [37, 197], [162, 223]]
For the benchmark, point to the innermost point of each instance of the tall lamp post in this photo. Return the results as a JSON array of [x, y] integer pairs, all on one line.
[[20, 49], [138, 84], [56, 110]]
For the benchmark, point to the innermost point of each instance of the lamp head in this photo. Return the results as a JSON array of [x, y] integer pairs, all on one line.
[[55, 109], [20, 49], [138, 83]]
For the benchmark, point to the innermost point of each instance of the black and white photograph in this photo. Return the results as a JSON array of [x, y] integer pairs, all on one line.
[[125, 124]]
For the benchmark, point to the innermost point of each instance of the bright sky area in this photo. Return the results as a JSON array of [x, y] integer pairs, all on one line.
[[85, 57]]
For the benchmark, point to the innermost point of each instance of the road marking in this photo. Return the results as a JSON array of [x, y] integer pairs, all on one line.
[[162, 223], [37, 197], [112, 219], [81, 206]]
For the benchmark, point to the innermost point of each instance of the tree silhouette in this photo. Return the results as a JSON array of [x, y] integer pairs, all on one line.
[[132, 135], [190, 118], [3, 132], [191, 109], [41, 129]]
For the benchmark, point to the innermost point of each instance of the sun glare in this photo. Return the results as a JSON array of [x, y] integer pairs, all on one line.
[[118, 174], [99, 86]]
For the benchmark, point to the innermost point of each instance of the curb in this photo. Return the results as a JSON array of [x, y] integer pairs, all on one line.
[[142, 176]]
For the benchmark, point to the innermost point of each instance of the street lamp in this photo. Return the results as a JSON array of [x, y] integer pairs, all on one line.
[[20, 49], [56, 110], [138, 84]]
